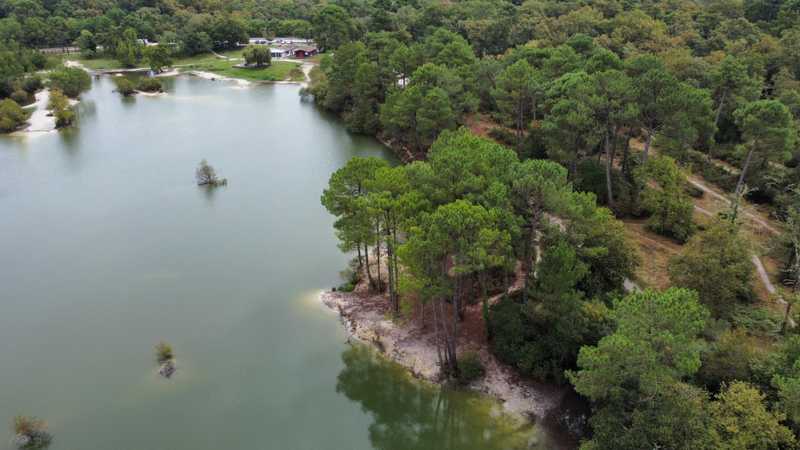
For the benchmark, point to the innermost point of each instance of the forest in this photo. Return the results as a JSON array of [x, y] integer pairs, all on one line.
[[546, 146]]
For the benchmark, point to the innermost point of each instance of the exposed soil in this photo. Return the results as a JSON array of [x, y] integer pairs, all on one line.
[[411, 343]]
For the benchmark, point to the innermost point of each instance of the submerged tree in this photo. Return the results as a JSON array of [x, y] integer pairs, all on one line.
[[165, 357], [30, 433], [207, 176]]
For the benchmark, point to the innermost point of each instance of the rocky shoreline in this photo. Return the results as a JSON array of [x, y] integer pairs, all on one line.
[[366, 318]]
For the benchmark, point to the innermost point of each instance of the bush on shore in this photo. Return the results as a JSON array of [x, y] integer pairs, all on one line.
[[470, 368], [62, 111], [125, 86], [71, 81], [12, 116], [150, 85]]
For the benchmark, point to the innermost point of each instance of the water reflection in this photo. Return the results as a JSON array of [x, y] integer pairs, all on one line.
[[409, 415]]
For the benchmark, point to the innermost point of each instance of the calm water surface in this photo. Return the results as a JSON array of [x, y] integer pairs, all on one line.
[[107, 246]]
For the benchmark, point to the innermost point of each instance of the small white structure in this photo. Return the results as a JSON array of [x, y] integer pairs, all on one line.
[[258, 41], [291, 41], [280, 52]]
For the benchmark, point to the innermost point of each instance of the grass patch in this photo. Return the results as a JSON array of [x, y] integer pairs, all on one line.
[[277, 71], [97, 63], [208, 62]]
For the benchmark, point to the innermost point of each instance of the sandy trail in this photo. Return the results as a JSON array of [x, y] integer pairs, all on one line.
[[763, 276], [40, 122]]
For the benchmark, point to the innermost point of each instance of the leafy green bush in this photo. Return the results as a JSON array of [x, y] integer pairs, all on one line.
[[711, 172], [32, 84], [670, 207], [693, 191], [12, 116], [503, 136], [258, 55], [164, 352], [150, 84], [759, 321], [59, 104], [21, 97], [124, 86], [71, 81], [731, 357], [351, 280], [470, 368]]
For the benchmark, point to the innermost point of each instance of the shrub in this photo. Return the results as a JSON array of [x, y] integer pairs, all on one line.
[[470, 368], [12, 116], [125, 86], [258, 55], [693, 191], [21, 97], [351, 279], [711, 172], [670, 207], [503, 136], [730, 358], [150, 84], [164, 352], [716, 263], [59, 104], [32, 84], [71, 81], [30, 433], [757, 321]]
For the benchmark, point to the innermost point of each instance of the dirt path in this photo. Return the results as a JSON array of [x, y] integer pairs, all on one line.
[[696, 182], [40, 122], [763, 276]]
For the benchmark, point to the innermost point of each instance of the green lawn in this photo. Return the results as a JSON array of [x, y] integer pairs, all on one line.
[[278, 71], [96, 63]]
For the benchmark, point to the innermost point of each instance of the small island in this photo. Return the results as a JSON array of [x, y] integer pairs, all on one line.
[[148, 85], [207, 176], [166, 359], [30, 433]]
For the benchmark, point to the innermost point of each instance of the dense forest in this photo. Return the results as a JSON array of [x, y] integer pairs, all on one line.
[[538, 135]]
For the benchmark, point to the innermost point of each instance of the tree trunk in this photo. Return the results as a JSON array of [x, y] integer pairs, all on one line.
[[786, 317], [647, 146], [530, 252], [360, 258], [437, 332], [573, 168], [395, 267], [742, 175], [609, 166], [390, 265], [520, 121], [369, 271], [719, 109], [378, 255]]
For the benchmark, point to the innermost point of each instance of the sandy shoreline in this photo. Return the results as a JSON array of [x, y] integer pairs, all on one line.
[[366, 319], [41, 119]]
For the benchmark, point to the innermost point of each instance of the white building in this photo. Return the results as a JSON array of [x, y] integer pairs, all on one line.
[[280, 52]]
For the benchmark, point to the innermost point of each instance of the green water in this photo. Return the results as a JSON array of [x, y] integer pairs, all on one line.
[[107, 246]]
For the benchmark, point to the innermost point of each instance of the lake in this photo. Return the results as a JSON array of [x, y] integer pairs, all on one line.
[[107, 246]]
